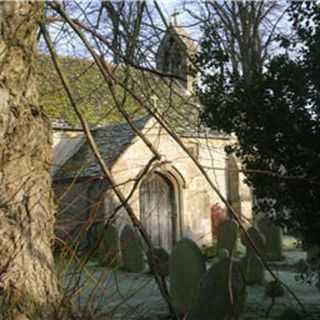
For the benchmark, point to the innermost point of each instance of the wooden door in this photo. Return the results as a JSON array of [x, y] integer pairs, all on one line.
[[158, 210]]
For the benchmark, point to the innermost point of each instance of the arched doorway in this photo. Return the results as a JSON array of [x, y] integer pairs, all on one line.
[[158, 210]]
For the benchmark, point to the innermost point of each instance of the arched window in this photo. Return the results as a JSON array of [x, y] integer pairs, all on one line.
[[158, 210]]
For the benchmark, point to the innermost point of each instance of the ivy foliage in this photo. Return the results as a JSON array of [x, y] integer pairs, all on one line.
[[90, 90], [275, 116], [97, 101]]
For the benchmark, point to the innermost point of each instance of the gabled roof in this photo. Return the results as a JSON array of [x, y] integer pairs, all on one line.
[[112, 141], [64, 149]]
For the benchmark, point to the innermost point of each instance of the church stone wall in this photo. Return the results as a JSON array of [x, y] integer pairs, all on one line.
[[196, 197]]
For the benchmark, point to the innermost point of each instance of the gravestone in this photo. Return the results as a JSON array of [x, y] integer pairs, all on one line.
[[94, 235], [252, 265], [160, 261], [257, 238], [222, 293], [131, 250], [274, 289], [227, 236], [253, 269], [109, 248], [272, 234], [186, 268]]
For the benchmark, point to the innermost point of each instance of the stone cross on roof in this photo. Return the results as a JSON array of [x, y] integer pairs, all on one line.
[[174, 20]]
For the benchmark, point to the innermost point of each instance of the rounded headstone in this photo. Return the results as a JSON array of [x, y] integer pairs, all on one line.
[[160, 261], [186, 268], [214, 300], [253, 269], [257, 238], [109, 249], [131, 250], [273, 237], [228, 235], [95, 234], [252, 265], [274, 289]]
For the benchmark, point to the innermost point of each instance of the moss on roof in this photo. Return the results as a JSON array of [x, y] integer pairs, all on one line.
[[95, 99], [112, 141], [90, 91]]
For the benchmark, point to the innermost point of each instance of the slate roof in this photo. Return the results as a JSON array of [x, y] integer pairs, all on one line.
[[112, 141]]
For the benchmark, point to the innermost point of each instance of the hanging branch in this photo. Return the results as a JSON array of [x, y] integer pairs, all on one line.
[[107, 174], [173, 134]]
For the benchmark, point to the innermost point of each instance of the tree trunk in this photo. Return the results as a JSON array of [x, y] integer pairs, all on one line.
[[27, 279]]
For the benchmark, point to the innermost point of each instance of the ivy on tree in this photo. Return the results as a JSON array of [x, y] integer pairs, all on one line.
[[275, 115]]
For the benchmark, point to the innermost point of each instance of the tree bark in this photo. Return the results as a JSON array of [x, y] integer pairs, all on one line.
[[27, 279]]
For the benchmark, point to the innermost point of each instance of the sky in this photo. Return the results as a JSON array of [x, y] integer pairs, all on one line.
[[68, 44], [70, 47]]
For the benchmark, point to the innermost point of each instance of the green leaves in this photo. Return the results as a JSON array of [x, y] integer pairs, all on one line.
[[91, 90], [275, 116]]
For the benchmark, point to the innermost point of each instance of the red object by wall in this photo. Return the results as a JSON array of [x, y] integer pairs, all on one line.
[[217, 216]]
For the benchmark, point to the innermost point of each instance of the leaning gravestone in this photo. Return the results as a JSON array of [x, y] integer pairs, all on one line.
[[159, 259], [186, 268], [227, 235], [94, 235], [252, 265], [131, 250], [215, 300], [253, 270], [109, 248], [257, 238], [272, 234]]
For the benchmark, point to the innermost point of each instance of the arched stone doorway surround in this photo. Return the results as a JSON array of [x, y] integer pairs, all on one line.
[[160, 205]]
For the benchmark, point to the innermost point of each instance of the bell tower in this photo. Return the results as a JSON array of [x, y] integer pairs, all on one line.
[[175, 54]]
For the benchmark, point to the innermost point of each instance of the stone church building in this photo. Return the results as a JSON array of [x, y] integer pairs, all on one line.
[[173, 200]]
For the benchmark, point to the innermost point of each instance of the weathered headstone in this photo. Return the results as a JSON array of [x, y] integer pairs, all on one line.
[[160, 261], [95, 237], [131, 250], [253, 269], [272, 234], [186, 268], [227, 235], [109, 248], [222, 293], [274, 289], [252, 265], [93, 234], [257, 238]]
